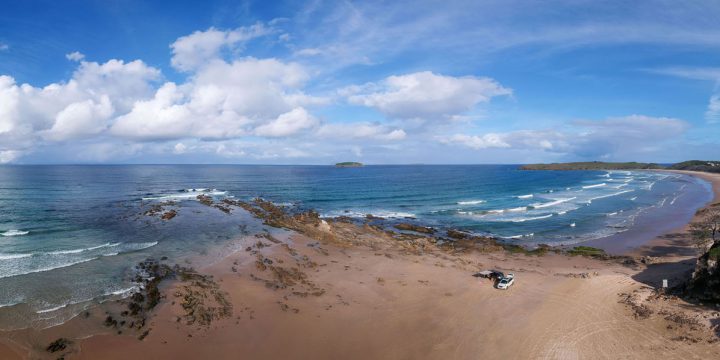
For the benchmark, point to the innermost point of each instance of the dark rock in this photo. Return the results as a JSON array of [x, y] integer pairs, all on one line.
[[169, 215], [415, 228], [58, 345]]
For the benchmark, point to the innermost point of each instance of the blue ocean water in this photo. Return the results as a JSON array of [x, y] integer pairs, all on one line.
[[69, 235]]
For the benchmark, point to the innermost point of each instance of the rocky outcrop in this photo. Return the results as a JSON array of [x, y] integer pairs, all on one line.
[[416, 228], [705, 282]]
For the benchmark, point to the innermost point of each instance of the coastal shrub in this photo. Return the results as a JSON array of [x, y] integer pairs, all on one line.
[[518, 249], [714, 254], [586, 251]]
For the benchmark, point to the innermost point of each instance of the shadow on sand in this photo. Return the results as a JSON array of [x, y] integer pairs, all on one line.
[[673, 244]]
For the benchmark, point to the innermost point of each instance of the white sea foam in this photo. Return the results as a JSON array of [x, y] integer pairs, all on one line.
[[14, 232], [594, 186], [16, 264], [187, 195], [531, 218], [376, 213], [528, 196], [122, 292], [518, 236], [552, 203], [48, 268], [562, 213], [51, 309], [13, 256], [470, 202], [589, 201], [77, 251], [11, 303], [674, 199]]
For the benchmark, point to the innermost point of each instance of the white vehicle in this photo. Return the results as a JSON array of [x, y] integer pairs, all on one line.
[[510, 276], [505, 282]]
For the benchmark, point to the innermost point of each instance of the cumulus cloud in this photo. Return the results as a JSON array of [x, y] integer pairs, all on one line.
[[224, 100], [288, 123], [360, 130], [81, 119], [425, 95], [75, 56], [194, 50], [609, 138], [77, 108]]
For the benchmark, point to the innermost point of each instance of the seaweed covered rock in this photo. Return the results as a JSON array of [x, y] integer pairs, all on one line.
[[416, 228]]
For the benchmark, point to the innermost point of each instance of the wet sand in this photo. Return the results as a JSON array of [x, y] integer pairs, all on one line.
[[650, 226], [293, 296]]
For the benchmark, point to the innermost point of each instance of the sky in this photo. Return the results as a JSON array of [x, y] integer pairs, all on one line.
[[396, 82]]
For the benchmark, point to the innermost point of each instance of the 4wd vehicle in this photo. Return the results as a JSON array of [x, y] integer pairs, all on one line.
[[505, 283]]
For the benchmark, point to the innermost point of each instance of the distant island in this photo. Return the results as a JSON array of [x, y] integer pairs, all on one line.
[[349, 164], [691, 165]]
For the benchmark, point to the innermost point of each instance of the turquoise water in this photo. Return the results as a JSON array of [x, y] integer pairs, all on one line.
[[69, 235]]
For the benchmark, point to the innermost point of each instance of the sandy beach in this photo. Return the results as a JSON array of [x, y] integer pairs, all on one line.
[[302, 296]]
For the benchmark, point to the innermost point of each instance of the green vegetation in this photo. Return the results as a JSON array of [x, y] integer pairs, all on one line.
[[349, 164], [714, 254], [586, 251], [698, 165], [692, 165], [592, 165], [518, 249]]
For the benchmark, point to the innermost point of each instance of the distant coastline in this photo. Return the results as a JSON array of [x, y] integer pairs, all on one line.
[[691, 165], [593, 165]]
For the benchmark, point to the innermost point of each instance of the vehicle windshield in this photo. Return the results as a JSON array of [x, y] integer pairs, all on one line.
[[504, 281]]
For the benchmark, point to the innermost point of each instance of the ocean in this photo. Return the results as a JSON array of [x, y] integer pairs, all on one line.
[[70, 235]]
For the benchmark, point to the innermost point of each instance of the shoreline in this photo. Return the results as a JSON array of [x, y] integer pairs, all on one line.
[[376, 293], [650, 230], [669, 241]]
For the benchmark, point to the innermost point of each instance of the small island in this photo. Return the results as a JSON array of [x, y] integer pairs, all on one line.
[[348, 164]]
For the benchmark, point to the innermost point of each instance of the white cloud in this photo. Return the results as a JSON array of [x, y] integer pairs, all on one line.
[[81, 119], [477, 142], [224, 100], [609, 138], [179, 148], [360, 130], [288, 123], [7, 156], [77, 108], [4, 47], [425, 95], [696, 73], [192, 51], [75, 56], [712, 115], [308, 52]]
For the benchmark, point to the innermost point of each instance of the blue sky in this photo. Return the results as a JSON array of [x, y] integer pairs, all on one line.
[[380, 82]]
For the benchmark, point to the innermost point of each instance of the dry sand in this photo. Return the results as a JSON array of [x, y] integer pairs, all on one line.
[[385, 303]]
